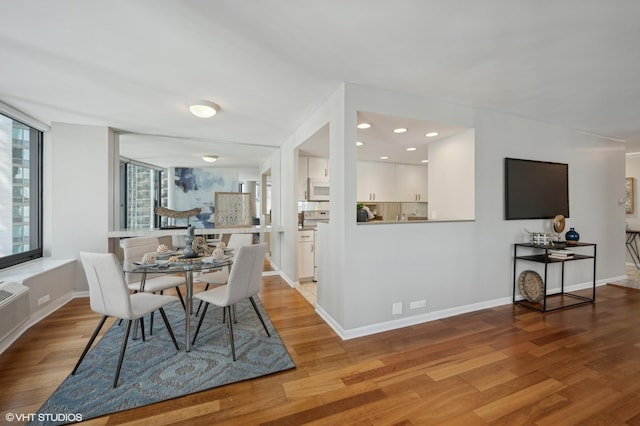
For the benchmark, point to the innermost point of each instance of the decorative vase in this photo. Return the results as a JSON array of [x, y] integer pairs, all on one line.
[[572, 236], [362, 215], [188, 252]]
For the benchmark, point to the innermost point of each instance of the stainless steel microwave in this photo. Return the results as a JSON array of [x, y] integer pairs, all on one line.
[[318, 189]]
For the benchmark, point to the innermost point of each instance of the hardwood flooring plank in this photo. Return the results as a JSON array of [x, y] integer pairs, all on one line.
[[508, 404]]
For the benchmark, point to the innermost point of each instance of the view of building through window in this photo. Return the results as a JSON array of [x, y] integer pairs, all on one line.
[[144, 188], [20, 212]]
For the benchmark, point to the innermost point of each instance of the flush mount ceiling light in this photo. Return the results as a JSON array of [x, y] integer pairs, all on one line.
[[399, 130], [364, 125], [424, 161], [210, 158], [204, 109], [410, 149], [384, 157], [358, 143], [431, 134]]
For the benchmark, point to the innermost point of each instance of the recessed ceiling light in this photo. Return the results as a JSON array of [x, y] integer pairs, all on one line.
[[204, 109], [210, 158], [399, 130], [431, 134], [411, 149], [358, 143], [364, 125], [384, 157], [424, 161]]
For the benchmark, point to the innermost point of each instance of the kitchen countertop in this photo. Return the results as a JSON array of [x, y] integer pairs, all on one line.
[[405, 222]]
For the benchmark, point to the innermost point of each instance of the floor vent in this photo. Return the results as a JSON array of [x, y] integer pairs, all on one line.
[[14, 307]]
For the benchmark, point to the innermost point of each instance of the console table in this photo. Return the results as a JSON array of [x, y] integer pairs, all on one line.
[[540, 254], [632, 246]]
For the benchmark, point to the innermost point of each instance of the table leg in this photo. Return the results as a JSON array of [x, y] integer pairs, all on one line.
[[143, 281], [187, 309]]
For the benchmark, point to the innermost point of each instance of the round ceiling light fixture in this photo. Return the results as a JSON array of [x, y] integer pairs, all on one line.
[[364, 125], [358, 143], [400, 130], [204, 109], [210, 158], [411, 148], [431, 134]]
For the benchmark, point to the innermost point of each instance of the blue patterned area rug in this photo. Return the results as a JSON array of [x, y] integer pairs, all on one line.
[[154, 371]]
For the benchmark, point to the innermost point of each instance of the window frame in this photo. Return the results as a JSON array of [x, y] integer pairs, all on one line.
[[36, 192]]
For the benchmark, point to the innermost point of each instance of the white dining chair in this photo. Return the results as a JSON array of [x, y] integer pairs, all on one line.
[[244, 282], [221, 277], [110, 297], [134, 249]]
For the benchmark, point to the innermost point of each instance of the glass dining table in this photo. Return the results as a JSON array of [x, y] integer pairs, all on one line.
[[187, 268]]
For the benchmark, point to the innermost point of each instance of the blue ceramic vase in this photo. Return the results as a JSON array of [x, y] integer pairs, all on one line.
[[572, 236], [188, 252]]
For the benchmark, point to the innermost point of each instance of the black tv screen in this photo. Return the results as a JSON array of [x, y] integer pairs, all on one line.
[[535, 189]]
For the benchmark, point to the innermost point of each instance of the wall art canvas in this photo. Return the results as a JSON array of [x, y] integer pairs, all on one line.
[[232, 209], [629, 195], [197, 187]]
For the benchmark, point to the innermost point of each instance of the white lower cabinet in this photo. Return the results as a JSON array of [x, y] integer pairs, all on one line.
[[306, 253]]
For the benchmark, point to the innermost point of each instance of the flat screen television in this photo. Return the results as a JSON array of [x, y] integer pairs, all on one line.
[[535, 189]]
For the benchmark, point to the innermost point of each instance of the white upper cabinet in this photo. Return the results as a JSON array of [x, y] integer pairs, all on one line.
[[376, 181], [318, 167], [411, 183]]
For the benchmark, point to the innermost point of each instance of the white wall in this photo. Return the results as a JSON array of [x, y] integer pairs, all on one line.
[[455, 266], [82, 165]]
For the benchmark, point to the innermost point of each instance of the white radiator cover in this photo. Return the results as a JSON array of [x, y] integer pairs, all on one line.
[[14, 307]]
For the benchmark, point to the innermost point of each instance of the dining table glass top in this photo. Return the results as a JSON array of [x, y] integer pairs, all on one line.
[[175, 267]]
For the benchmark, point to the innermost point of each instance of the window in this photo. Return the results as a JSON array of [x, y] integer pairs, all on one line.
[[20, 192], [142, 188]]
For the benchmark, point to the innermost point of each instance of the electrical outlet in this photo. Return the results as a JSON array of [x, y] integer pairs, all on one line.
[[418, 304], [397, 308], [44, 299]]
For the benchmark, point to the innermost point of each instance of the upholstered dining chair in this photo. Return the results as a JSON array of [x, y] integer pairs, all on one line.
[[244, 282], [134, 249], [218, 278], [110, 296]]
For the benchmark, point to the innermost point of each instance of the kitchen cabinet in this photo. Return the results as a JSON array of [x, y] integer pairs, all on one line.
[[317, 167], [306, 255], [411, 183], [302, 178], [376, 181]]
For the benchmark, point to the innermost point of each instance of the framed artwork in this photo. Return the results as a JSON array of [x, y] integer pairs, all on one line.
[[232, 209], [629, 195]]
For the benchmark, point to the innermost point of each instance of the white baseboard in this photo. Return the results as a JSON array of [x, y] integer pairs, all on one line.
[[436, 315]]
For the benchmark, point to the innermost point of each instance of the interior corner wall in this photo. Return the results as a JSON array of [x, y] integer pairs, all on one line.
[[81, 209], [330, 292]]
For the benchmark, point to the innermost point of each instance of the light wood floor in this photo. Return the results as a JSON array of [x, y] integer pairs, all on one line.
[[506, 365]]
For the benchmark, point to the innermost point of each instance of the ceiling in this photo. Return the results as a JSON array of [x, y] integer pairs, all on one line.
[[410, 147], [135, 65]]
